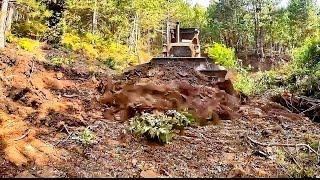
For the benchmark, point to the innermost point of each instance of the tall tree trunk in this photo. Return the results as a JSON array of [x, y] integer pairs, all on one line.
[[4, 9], [260, 48], [149, 41], [94, 18], [9, 17], [258, 31], [256, 26], [137, 38]]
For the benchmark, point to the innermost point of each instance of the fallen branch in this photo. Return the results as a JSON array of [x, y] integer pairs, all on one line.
[[32, 69], [63, 140], [67, 138], [70, 96], [310, 109], [23, 136], [283, 145]]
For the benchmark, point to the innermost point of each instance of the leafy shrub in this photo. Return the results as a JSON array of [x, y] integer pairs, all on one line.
[[223, 55], [31, 29], [61, 60], [109, 62], [114, 55], [245, 83], [159, 126], [28, 44], [304, 172], [121, 55], [10, 38], [303, 76], [71, 41], [86, 137], [268, 80], [32, 21]]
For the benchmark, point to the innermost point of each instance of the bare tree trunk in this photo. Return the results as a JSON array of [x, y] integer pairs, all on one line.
[[258, 30], [9, 17], [94, 19], [4, 9], [260, 48], [149, 42], [137, 37]]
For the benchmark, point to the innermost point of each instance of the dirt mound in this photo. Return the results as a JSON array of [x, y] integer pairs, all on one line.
[[301, 105], [36, 96], [172, 85]]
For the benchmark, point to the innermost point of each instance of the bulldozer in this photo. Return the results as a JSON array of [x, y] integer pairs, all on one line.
[[183, 44]]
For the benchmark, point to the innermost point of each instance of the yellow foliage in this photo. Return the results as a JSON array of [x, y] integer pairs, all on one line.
[[90, 52], [121, 54], [10, 38], [95, 48], [28, 44], [71, 41], [144, 56]]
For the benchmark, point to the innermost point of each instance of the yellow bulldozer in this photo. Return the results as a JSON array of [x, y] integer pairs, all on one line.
[[183, 44]]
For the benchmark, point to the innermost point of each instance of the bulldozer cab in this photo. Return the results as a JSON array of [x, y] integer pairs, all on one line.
[[183, 45], [181, 42]]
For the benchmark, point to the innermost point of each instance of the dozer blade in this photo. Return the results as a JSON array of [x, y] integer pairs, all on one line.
[[214, 73], [188, 59], [200, 64]]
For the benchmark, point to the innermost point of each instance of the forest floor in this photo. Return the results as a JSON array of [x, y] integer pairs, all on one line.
[[44, 108]]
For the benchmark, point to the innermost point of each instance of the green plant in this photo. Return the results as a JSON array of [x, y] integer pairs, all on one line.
[[304, 74], [33, 19], [61, 60], [223, 55], [159, 126], [110, 62], [301, 172], [245, 83], [87, 137], [114, 55]]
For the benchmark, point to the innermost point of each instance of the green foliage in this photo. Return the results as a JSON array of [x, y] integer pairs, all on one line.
[[304, 172], [121, 55], [61, 60], [115, 56], [109, 62], [267, 80], [86, 137], [28, 44], [256, 83], [33, 22], [245, 83], [159, 126], [223, 55], [303, 74], [234, 23]]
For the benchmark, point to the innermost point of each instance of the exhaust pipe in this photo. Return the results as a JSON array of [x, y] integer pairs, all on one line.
[[178, 32]]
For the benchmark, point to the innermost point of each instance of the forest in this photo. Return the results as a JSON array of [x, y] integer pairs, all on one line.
[[118, 88]]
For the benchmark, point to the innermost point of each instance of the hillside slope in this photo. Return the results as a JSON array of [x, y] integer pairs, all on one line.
[[44, 110]]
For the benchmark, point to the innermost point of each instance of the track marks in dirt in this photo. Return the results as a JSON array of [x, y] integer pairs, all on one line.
[[21, 145]]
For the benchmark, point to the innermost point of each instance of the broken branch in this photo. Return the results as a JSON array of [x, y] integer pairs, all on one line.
[[283, 145], [23, 136]]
